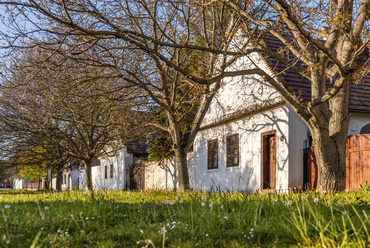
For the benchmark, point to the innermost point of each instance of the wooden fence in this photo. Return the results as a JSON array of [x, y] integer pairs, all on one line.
[[32, 186], [357, 163]]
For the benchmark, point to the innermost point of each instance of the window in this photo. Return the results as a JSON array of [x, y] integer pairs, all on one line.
[[213, 154], [105, 172], [232, 150], [111, 171]]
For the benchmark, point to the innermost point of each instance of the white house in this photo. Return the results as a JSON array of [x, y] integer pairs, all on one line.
[[251, 139], [113, 172], [71, 178]]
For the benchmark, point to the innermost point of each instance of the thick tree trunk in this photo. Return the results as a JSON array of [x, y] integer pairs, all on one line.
[[59, 182], [88, 177], [330, 156], [330, 142], [182, 170]]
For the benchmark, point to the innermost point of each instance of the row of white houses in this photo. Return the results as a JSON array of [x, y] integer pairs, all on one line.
[[250, 139]]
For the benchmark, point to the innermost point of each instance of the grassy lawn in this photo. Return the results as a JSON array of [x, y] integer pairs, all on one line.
[[137, 219]]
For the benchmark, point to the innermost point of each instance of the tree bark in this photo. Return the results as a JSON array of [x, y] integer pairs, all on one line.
[[58, 185], [182, 169], [88, 177]]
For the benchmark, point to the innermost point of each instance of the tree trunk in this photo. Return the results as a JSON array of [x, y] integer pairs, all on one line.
[[182, 169], [88, 177], [331, 163], [330, 142], [58, 185]]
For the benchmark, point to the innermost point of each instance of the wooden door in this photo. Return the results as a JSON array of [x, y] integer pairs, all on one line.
[[137, 175], [268, 163]]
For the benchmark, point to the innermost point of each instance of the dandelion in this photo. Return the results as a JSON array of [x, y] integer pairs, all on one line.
[[203, 204], [7, 241], [225, 217], [142, 232], [51, 242], [171, 203], [72, 215], [211, 205], [252, 235], [289, 203], [308, 196], [46, 207], [316, 199], [7, 206], [206, 234], [274, 200], [252, 229], [42, 228], [303, 198], [181, 200], [87, 218], [128, 200]]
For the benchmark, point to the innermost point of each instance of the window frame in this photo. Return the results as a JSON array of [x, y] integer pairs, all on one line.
[[106, 172], [231, 146], [212, 147]]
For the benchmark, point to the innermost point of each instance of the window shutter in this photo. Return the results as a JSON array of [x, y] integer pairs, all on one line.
[[236, 148], [229, 150], [210, 148]]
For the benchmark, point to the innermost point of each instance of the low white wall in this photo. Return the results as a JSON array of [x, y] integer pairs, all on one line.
[[163, 175]]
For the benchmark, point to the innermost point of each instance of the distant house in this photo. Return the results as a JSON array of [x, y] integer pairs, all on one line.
[[114, 172]]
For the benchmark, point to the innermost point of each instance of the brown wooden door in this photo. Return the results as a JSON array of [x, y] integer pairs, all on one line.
[[268, 164], [137, 175]]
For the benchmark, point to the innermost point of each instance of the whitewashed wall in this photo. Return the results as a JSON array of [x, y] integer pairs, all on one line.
[[121, 162], [357, 122], [246, 176], [72, 180], [18, 183], [298, 135]]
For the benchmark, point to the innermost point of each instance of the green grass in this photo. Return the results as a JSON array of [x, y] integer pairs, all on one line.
[[135, 219]]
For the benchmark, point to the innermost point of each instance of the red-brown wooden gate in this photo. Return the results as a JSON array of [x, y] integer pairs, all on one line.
[[357, 164]]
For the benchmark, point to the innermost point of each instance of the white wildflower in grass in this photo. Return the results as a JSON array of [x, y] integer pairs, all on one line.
[[303, 198], [51, 242], [316, 199], [142, 232], [7, 206], [225, 217], [308, 196], [4, 237], [171, 203], [205, 198], [203, 204], [181, 200], [206, 234], [289, 203], [222, 206], [274, 200], [46, 207], [252, 235], [87, 218], [211, 205], [128, 200], [72, 215]]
